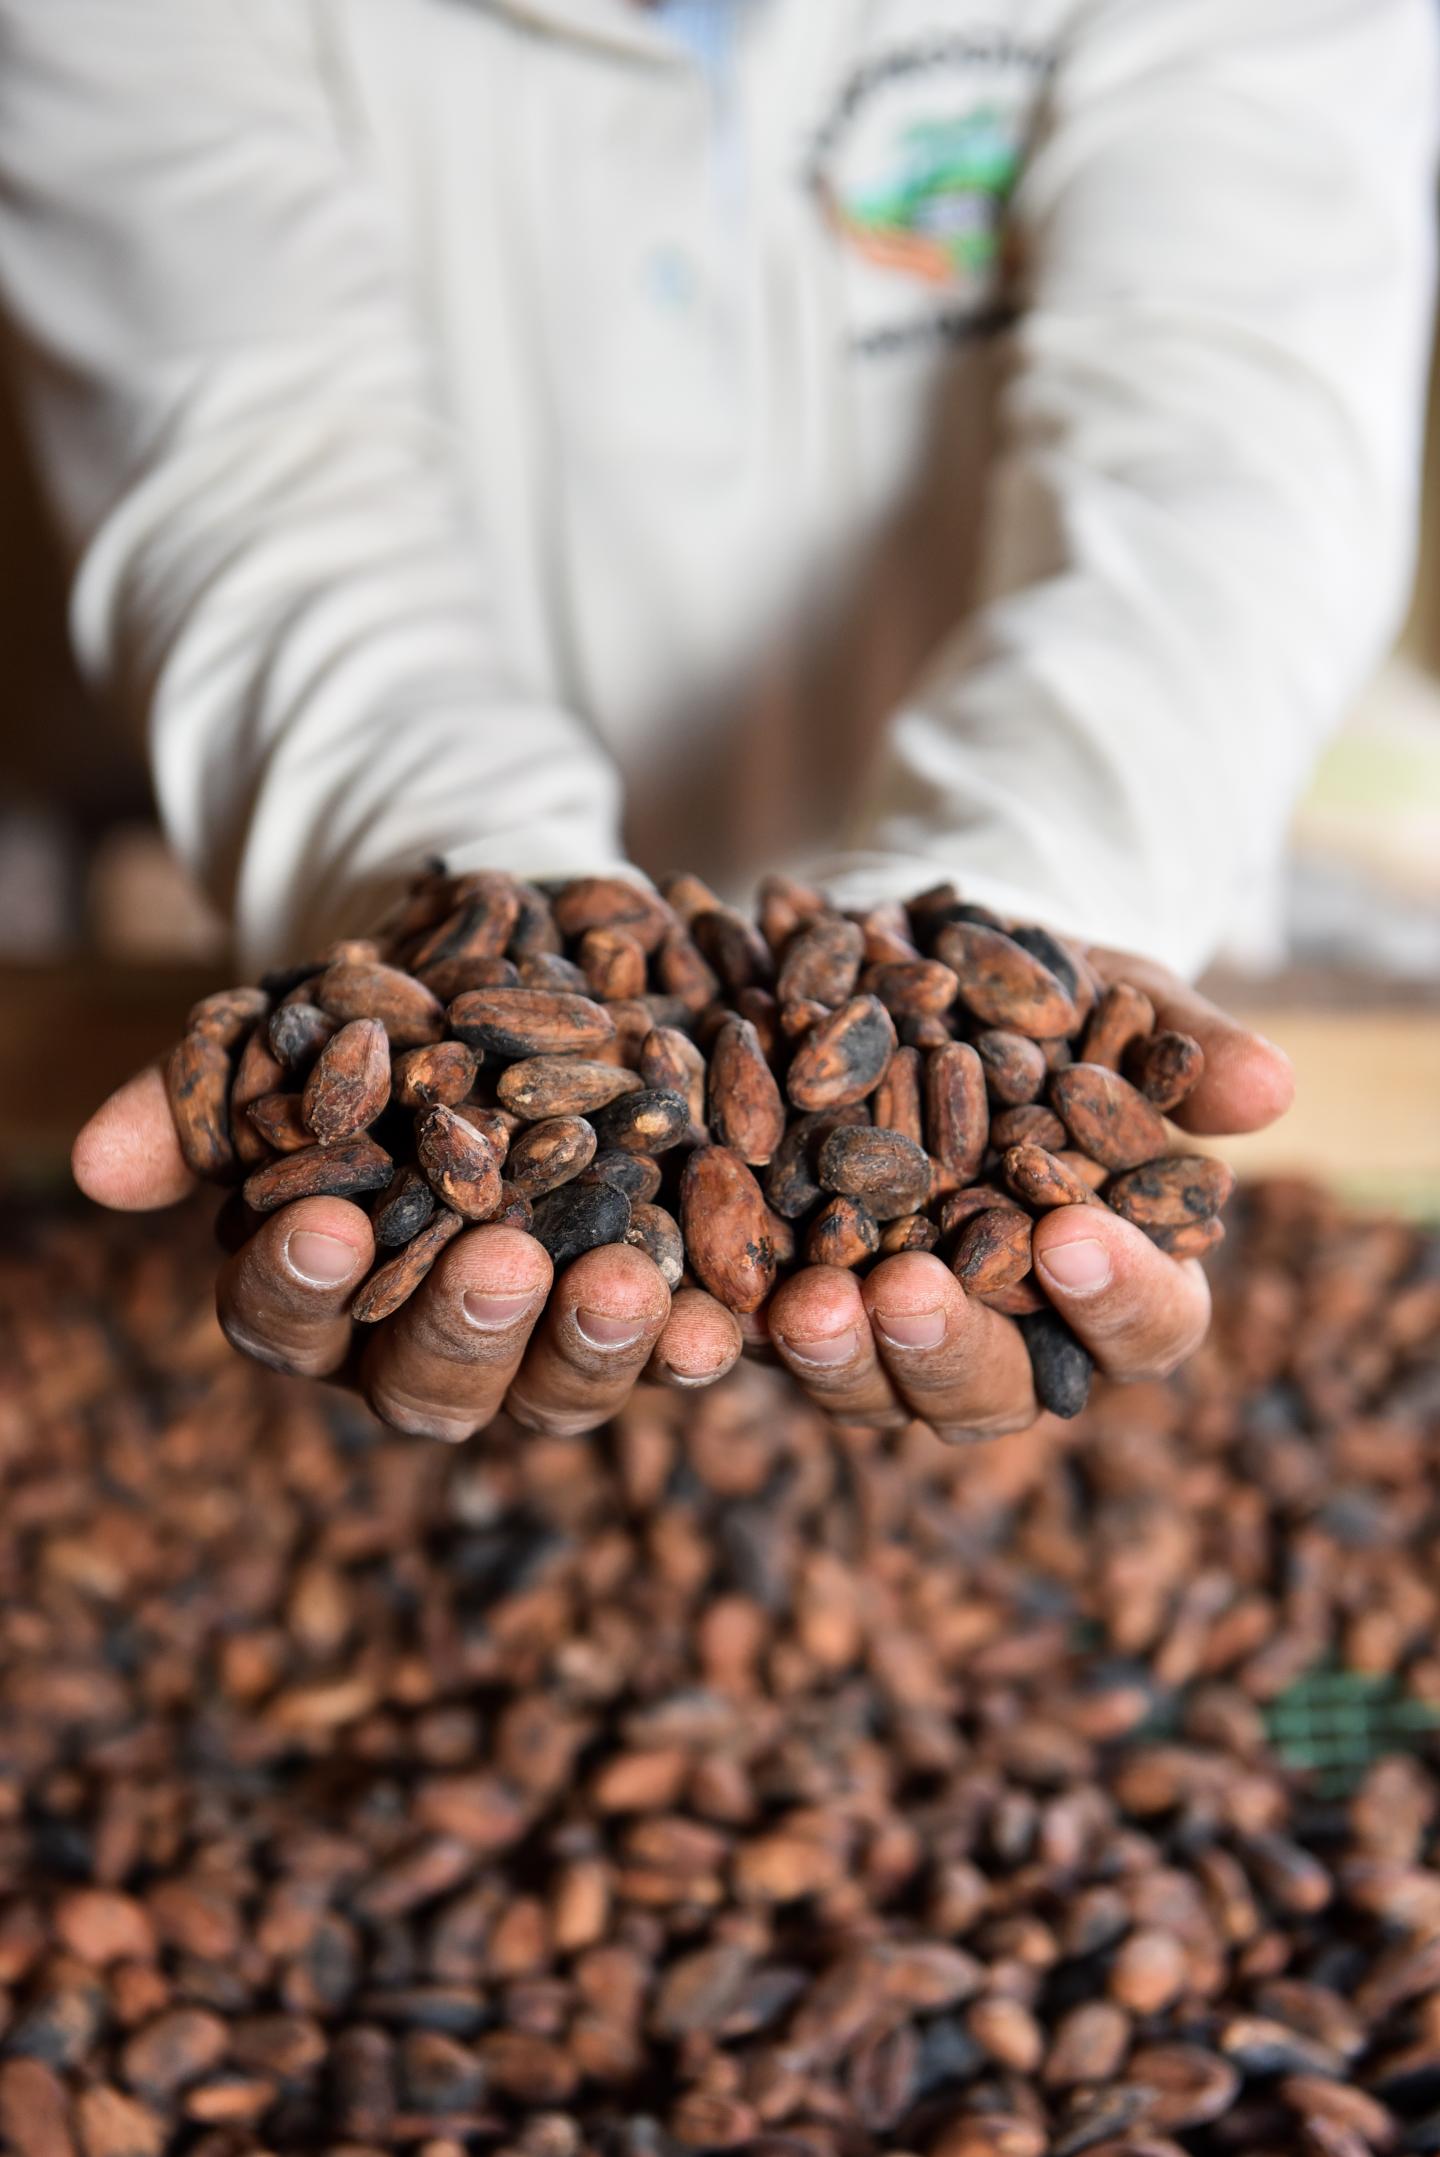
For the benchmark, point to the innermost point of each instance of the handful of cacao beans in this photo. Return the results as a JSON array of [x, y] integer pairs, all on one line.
[[596, 1062]]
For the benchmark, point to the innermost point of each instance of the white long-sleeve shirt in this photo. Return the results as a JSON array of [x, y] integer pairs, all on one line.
[[1020, 500]]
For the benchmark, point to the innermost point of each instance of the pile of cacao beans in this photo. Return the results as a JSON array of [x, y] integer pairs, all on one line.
[[730, 1780], [602, 1063]]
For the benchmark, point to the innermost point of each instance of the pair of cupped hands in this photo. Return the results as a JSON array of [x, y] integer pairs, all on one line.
[[493, 1330]]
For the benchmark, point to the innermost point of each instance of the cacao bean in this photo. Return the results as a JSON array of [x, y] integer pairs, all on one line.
[[1062, 1370], [1106, 1117], [1003, 985], [889, 1173], [727, 1235], [993, 1251], [402, 1209], [440, 1076], [649, 1122], [197, 1086], [460, 1164], [842, 1233], [382, 1293], [656, 1233], [746, 1111], [544, 1086], [1015, 1067], [1043, 1180], [410, 1015], [349, 1083], [822, 962], [531, 1022], [957, 1110], [345, 1170], [844, 1058], [579, 1217], [1167, 1068], [545, 1155]]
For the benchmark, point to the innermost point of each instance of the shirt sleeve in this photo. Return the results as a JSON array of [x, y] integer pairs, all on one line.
[[274, 566], [1200, 523]]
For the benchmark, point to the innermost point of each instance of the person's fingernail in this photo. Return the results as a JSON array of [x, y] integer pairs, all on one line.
[[838, 1348], [492, 1312], [603, 1331], [1079, 1267], [911, 1329], [691, 1379], [323, 1261]]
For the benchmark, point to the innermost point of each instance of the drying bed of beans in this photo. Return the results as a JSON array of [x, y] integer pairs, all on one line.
[[726, 1780]]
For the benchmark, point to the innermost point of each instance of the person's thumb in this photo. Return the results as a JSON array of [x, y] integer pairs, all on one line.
[[128, 1156]]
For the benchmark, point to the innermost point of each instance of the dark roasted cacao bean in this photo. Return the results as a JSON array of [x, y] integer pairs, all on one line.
[[1061, 1366], [402, 1209], [656, 1233], [579, 1217]]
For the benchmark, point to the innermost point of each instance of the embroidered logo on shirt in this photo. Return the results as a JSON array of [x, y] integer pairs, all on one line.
[[913, 170], [936, 214]]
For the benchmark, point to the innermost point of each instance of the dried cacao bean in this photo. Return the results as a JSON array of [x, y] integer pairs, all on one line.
[[197, 1085], [1106, 1117], [579, 1217], [410, 1015], [843, 1233], [440, 1076], [727, 1235], [545, 1155], [889, 1173], [461, 1165], [531, 1022], [346, 1170], [844, 1058], [382, 1293], [1003, 984], [746, 1111], [349, 1083], [656, 1233]]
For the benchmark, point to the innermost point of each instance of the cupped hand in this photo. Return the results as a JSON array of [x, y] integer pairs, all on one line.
[[907, 1342], [490, 1328]]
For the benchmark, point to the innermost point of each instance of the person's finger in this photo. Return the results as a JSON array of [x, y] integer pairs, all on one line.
[[1247, 1083], [700, 1343], [282, 1297], [1137, 1311], [959, 1366], [441, 1367], [605, 1316], [127, 1156], [818, 1326]]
